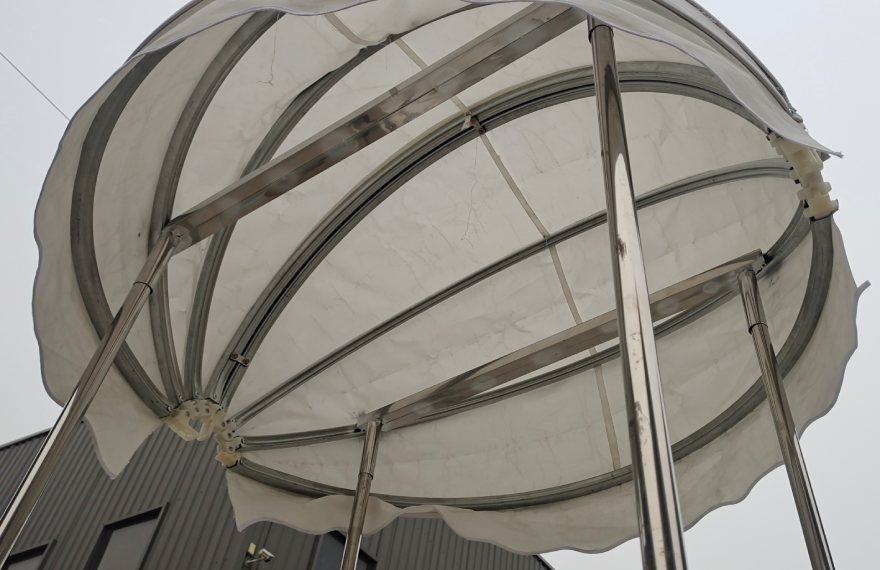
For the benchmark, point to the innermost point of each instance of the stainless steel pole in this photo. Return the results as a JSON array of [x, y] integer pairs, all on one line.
[[660, 524], [808, 512], [361, 497], [40, 471]]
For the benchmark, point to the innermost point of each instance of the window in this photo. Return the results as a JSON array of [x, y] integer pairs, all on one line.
[[328, 554], [123, 545], [28, 560]]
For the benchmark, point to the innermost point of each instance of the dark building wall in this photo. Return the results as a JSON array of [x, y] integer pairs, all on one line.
[[196, 528]]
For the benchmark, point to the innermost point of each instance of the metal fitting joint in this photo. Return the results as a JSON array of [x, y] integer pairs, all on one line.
[[199, 420]]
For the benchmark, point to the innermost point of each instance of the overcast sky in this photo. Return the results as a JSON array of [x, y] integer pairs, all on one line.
[[824, 53]]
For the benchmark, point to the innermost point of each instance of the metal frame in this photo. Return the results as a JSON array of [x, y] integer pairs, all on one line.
[[795, 467], [530, 28], [181, 387], [812, 305], [56, 442], [516, 36], [203, 296], [268, 146], [797, 230], [683, 296], [680, 79], [499, 46], [660, 524]]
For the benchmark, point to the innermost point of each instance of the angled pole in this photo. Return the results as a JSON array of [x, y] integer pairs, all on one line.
[[361, 497], [805, 501], [58, 440], [660, 526]]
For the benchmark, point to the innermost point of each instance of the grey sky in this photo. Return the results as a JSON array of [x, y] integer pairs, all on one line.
[[822, 52]]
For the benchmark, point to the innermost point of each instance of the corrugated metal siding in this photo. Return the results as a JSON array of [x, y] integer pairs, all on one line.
[[14, 460], [196, 529]]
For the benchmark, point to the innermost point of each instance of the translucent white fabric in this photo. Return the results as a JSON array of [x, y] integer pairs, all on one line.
[[472, 242]]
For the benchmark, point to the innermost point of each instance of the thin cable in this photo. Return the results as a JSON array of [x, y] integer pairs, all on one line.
[[32, 84]]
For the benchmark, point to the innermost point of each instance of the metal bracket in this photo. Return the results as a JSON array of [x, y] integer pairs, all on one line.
[[253, 557], [240, 358], [806, 170], [199, 420]]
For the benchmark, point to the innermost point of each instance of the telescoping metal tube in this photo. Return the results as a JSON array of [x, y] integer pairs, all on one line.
[[805, 501], [361, 497], [58, 440], [660, 526]]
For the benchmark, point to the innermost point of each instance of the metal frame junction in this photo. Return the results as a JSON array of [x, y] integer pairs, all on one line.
[[659, 517]]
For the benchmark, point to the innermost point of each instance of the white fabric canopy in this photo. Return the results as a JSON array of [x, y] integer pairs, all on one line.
[[478, 232]]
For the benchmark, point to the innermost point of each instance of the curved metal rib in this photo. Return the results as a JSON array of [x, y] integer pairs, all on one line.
[[169, 177], [818, 285], [82, 236], [758, 169], [794, 234], [656, 77], [267, 148], [280, 130]]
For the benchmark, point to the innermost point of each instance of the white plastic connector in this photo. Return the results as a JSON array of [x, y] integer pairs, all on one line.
[[212, 421], [806, 170]]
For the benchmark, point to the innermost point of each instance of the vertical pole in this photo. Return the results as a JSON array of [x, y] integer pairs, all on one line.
[[808, 512], [361, 497], [660, 524], [57, 441]]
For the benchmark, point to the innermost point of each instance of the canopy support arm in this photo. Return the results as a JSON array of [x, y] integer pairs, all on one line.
[[805, 501], [682, 296], [660, 525], [57, 441], [361, 497], [499, 46]]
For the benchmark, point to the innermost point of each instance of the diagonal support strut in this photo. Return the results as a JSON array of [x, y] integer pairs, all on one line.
[[57, 441], [681, 296], [684, 296], [501, 45]]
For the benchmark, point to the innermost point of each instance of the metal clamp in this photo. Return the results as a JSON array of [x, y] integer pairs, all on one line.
[[240, 358]]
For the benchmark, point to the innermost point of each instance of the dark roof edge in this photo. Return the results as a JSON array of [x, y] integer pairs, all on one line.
[[42, 433]]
